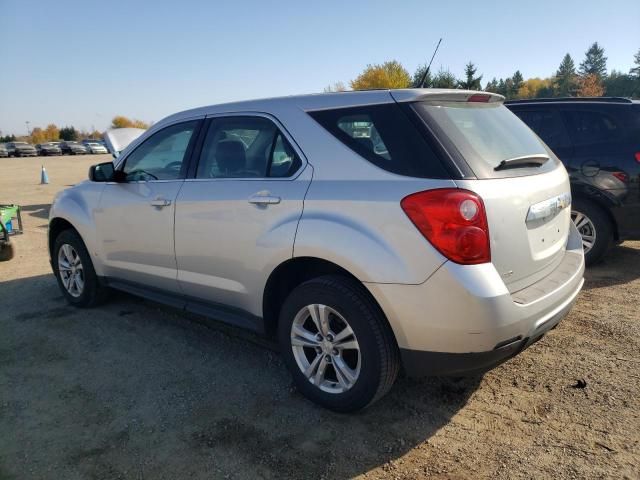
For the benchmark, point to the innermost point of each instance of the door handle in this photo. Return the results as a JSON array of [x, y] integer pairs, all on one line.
[[263, 199], [160, 202]]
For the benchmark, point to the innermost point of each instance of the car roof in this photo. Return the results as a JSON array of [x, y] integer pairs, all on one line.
[[580, 100], [321, 101]]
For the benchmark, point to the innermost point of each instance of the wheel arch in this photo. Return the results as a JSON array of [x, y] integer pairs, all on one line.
[[295, 271]]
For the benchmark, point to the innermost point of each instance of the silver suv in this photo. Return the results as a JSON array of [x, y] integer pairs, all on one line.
[[427, 230]]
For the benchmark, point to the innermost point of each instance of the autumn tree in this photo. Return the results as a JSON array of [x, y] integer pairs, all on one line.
[[51, 133], [590, 86], [335, 87], [532, 87], [120, 121], [565, 82], [595, 63], [390, 74], [37, 135], [471, 82]]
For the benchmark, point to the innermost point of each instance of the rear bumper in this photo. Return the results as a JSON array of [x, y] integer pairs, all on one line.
[[463, 318], [418, 363]]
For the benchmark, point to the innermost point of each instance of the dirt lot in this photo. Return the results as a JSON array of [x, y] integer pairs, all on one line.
[[136, 390]]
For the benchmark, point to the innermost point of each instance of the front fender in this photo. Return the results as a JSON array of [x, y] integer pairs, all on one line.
[[76, 205]]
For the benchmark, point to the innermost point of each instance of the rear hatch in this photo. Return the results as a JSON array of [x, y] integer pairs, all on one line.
[[523, 185]]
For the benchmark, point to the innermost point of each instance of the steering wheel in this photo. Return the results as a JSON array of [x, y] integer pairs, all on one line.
[[173, 166]]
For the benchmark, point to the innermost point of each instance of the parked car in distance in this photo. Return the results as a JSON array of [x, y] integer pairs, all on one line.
[[435, 234], [95, 147], [3, 150], [21, 149], [48, 149], [598, 140], [72, 148]]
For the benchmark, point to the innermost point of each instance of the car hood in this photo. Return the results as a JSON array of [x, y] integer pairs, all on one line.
[[118, 139], [25, 147]]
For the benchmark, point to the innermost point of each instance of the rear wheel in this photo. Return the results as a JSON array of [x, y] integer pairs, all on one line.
[[74, 271], [337, 344], [594, 227]]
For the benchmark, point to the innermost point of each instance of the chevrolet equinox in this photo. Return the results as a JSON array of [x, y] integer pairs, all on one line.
[[428, 230]]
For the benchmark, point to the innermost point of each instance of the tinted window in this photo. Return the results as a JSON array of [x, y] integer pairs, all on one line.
[[384, 135], [589, 127], [485, 134], [245, 147], [162, 155], [548, 125]]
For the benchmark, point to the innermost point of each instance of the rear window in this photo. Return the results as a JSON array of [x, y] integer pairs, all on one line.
[[383, 135], [485, 134]]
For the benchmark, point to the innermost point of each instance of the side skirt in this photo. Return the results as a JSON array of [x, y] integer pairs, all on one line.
[[215, 311]]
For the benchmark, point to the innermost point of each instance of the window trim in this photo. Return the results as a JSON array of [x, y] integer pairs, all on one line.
[[188, 154], [195, 157]]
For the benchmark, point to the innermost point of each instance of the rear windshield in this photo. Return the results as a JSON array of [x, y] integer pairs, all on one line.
[[485, 134]]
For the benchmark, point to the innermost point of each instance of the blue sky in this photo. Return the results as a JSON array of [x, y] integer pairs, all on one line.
[[81, 62]]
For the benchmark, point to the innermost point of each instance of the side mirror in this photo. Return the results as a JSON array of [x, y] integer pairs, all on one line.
[[102, 172]]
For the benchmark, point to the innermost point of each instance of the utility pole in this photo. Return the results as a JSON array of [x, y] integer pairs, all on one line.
[[28, 131]]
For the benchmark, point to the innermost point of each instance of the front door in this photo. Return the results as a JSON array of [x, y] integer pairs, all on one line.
[[135, 219], [236, 221]]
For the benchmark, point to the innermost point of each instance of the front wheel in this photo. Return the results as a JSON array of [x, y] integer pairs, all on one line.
[[594, 227], [74, 271], [337, 344]]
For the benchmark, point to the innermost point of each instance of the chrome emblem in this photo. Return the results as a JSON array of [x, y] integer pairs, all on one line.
[[549, 208]]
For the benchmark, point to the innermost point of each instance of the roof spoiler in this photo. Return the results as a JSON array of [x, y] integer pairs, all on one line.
[[444, 95]]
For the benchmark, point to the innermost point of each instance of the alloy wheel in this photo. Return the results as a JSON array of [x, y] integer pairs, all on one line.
[[325, 348], [71, 270], [586, 228]]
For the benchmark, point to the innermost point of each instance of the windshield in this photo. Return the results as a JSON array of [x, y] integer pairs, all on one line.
[[485, 134]]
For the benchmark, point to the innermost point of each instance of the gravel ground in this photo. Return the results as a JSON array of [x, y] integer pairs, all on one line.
[[136, 390]]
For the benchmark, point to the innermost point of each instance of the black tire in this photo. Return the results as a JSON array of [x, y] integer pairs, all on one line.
[[7, 251], [380, 359], [601, 224], [93, 292]]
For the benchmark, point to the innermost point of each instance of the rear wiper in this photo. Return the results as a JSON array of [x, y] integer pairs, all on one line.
[[523, 162]]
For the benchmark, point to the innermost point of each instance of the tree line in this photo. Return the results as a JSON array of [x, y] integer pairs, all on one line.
[[590, 79], [53, 133]]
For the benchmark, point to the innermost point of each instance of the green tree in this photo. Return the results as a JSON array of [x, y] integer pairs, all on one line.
[[68, 133], [565, 82], [618, 84], [471, 82], [595, 63], [492, 86], [635, 71], [502, 88], [516, 83], [417, 77], [444, 79], [390, 74]]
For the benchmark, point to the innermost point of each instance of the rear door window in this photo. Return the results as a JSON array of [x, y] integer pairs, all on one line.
[[591, 127], [383, 135], [549, 126]]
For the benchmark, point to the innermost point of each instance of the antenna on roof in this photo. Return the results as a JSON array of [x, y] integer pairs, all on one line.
[[426, 72]]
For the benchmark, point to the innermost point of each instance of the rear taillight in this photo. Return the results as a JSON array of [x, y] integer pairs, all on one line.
[[454, 221], [479, 97], [623, 177], [638, 157]]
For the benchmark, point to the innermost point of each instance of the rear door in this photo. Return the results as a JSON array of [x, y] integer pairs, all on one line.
[[236, 219], [526, 199], [607, 140]]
